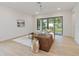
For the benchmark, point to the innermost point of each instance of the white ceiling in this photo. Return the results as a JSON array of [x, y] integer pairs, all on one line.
[[32, 7]]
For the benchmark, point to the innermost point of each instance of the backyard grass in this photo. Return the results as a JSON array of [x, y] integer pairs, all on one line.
[[58, 30]]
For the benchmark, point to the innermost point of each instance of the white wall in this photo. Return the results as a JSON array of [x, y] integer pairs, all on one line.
[[67, 21], [75, 17], [8, 25]]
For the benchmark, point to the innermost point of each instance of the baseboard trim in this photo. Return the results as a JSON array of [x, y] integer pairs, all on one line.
[[69, 37], [15, 37]]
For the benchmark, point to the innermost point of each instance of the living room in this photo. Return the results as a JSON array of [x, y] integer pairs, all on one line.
[[20, 19]]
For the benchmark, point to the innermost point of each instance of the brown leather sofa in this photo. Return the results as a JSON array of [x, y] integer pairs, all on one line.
[[45, 41]]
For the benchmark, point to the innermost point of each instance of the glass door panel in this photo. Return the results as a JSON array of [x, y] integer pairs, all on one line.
[[58, 26], [51, 24], [38, 24], [44, 24]]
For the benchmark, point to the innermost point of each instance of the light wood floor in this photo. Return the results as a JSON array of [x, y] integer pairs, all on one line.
[[11, 48], [67, 48]]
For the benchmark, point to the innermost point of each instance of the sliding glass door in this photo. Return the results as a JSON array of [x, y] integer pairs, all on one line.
[[53, 24]]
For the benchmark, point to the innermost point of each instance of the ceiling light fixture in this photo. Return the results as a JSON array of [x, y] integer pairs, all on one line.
[[40, 7], [37, 12], [58, 8]]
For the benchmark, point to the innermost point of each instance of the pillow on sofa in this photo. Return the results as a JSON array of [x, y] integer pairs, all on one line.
[[51, 34]]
